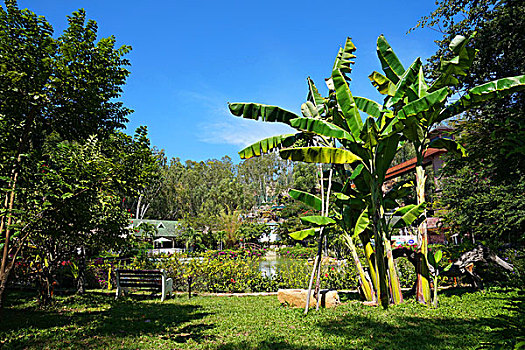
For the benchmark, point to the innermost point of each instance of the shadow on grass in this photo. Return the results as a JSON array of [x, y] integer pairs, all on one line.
[[270, 344], [457, 291], [96, 319], [514, 331], [412, 332]]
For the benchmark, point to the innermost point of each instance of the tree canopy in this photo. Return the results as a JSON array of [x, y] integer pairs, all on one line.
[[483, 191], [64, 166]]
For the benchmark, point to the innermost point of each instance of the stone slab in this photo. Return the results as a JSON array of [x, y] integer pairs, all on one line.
[[297, 298]]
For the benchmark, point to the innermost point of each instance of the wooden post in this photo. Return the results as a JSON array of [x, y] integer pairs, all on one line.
[[109, 278]]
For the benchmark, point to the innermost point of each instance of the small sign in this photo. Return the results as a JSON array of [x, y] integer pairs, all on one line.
[[403, 240]]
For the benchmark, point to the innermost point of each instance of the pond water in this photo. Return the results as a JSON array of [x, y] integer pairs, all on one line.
[[270, 266]]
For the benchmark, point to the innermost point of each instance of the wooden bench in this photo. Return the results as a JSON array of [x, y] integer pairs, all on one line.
[[153, 280]]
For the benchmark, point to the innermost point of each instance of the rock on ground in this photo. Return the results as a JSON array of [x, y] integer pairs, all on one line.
[[297, 298]]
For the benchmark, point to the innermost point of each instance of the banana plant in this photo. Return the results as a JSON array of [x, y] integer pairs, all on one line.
[[371, 146], [434, 260], [420, 106], [336, 135]]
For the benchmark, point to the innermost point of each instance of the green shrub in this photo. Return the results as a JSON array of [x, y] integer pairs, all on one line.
[[297, 252], [406, 272], [235, 254]]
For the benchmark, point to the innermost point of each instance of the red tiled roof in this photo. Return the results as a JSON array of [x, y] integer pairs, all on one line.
[[410, 165]]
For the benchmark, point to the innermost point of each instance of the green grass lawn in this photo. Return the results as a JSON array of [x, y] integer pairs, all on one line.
[[463, 321]]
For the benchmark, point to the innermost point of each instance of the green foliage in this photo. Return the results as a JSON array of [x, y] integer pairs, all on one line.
[[251, 232], [492, 134], [62, 158], [199, 191], [297, 252], [304, 177], [267, 176], [479, 205], [407, 273], [266, 145]]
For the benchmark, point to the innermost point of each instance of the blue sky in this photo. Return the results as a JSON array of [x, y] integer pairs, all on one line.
[[190, 58]]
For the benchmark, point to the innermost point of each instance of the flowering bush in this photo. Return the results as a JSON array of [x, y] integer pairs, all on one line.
[[235, 254], [297, 252]]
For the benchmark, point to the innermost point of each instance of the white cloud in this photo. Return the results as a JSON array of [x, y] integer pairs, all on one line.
[[220, 127], [240, 132]]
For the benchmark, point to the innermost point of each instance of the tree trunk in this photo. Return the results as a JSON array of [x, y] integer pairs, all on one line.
[[364, 281], [370, 259], [137, 211], [3, 286], [81, 279], [318, 281], [317, 261], [8, 205], [423, 284], [46, 286], [382, 290]]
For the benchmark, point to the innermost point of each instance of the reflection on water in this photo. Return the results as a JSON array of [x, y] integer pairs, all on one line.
[[270, 267]]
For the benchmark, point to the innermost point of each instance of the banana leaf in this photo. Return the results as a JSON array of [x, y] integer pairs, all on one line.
[[356, 171], [398, 191], [343, 60], [261, 112], [300, 235], [368, 106], [353, 176], [306, 198], [389, 62], [405, 81], [320, 127], [406, 215], [347, 104], [362, 223], [385, 118], [313, 94], [317, 220], [387, 149], [458, 65], [482, 93], [325, 155], [425, 103], [412, 130], [348, 200], [421, 86], [390, 124], [266, 145], [370, 133], [382, 84]]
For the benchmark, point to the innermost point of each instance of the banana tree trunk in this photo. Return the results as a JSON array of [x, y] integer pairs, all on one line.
[[423, 285], [364, 281], [395, 285], [382, 290], [369, 254]]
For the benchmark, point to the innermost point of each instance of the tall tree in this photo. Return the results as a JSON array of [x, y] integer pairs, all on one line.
[[493, 134], [268, 175], [61, 88], [83, 186]]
